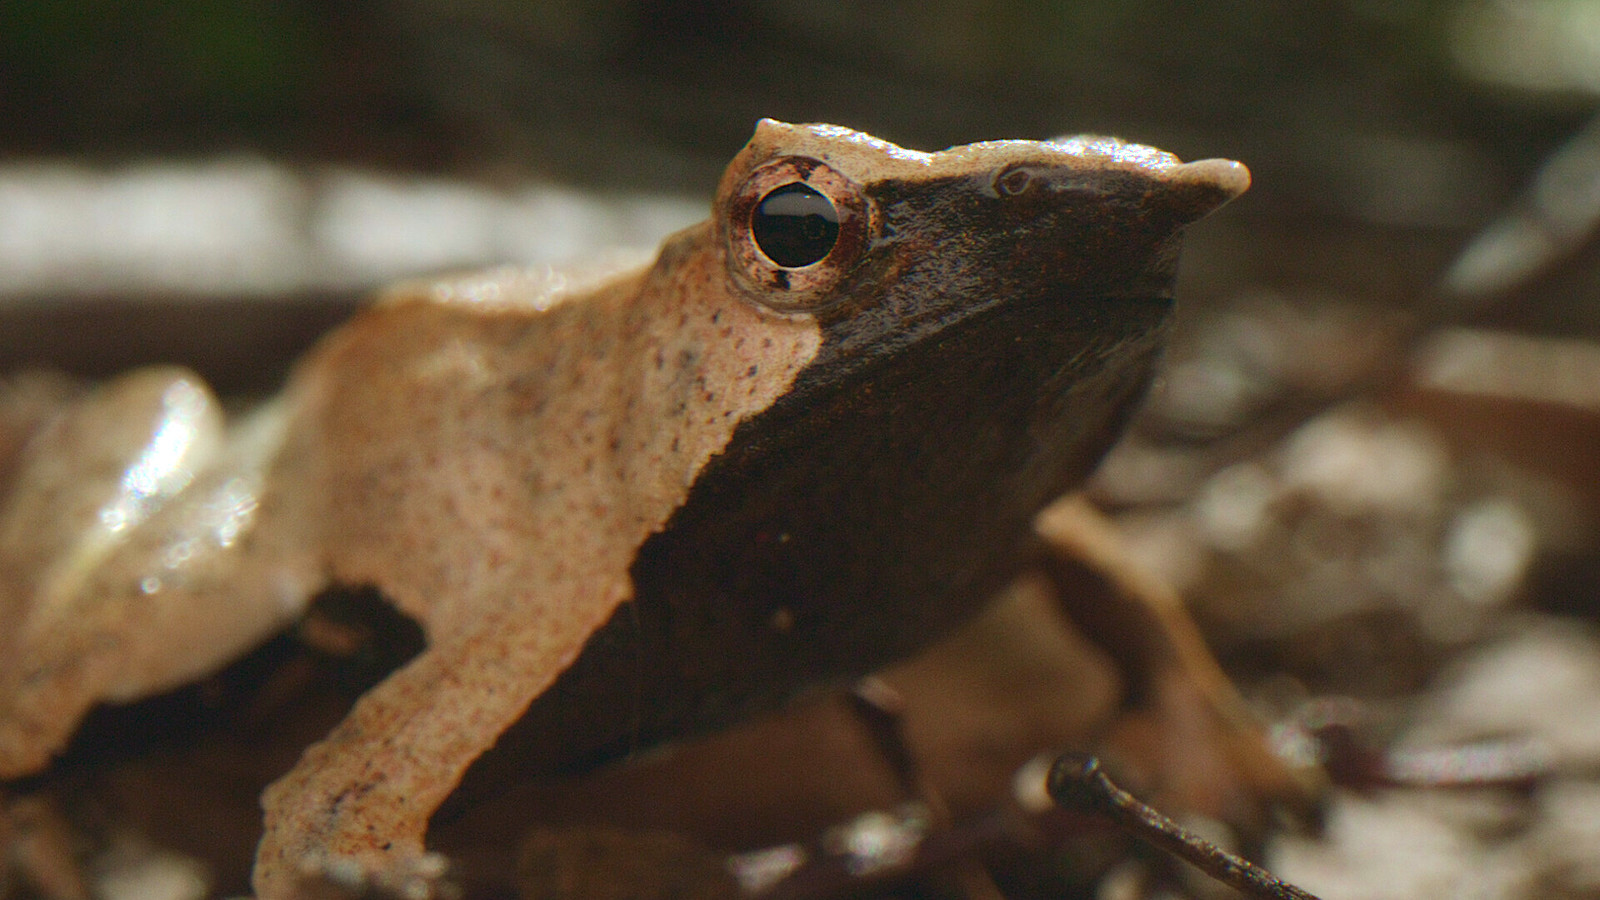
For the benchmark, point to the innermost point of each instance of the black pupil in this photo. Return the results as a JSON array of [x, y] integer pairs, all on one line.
[[795, 226]]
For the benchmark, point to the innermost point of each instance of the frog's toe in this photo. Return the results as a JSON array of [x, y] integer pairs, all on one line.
[[425, 877]]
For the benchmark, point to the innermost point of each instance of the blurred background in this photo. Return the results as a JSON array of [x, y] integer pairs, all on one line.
[[1370, 464], [1401, 127]]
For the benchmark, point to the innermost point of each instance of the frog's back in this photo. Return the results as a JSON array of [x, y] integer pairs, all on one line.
[[446, 409]]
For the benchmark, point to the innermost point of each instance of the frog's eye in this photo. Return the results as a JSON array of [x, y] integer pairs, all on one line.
[[795, 226], [794, 229]]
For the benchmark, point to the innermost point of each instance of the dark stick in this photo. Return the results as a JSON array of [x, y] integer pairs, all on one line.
[[1078, 782]]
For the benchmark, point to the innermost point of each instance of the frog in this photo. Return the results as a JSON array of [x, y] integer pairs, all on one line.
[[625, 503]]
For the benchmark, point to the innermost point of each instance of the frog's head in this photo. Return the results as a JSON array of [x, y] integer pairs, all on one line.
[[986, 318], [886, 247]]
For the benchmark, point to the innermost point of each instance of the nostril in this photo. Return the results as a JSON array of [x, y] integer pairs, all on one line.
[[1046, 183], [1013, 182]]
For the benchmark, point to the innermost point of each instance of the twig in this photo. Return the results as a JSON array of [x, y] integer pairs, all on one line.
[[1079, 782]]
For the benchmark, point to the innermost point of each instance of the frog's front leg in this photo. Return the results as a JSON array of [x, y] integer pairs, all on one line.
[[360, 800], [1188, 723]]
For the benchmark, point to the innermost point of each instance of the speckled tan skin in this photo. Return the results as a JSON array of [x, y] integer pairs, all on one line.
[[493, 452]]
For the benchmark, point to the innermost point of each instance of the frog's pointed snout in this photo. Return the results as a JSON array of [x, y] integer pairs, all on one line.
[[1196, 189]]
